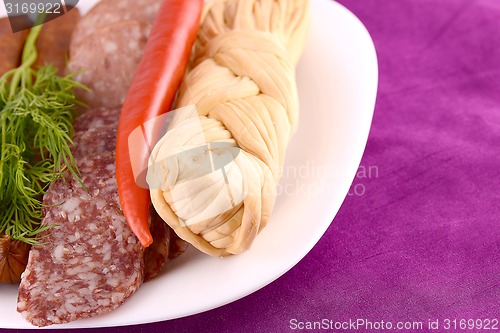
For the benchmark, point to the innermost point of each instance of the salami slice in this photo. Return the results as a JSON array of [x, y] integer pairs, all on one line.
[[157, 254], [94, 141], [96, 133], [108, 12], [97, 117], [90, 261], [166, 246], [108, 60], [177, 245]]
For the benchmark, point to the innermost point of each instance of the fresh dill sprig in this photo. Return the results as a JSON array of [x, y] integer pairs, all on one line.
[[37, 108]]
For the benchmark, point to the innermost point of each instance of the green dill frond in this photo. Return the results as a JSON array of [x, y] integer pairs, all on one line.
[[37, 109]]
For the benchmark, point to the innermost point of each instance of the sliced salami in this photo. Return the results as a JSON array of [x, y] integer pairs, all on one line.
[[166, 246], [94, 141], [97, 117], [108, 60], [177, 245], [108, 12], [90, 261], [157, 254]]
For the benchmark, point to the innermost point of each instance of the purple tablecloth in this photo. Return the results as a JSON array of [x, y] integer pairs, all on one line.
[[418, 239]]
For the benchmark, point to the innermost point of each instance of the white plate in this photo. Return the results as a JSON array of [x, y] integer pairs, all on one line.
[[337, 78]]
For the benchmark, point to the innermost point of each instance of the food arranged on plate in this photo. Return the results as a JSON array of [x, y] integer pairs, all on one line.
[[242, 86], [101, 184]]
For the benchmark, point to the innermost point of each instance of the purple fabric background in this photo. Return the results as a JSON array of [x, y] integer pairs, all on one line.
[[423, 242]]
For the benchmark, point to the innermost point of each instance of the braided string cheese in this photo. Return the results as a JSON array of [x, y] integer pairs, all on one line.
[[213, 176]]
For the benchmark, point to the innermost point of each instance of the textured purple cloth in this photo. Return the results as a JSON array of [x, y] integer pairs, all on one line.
[[423, 241]]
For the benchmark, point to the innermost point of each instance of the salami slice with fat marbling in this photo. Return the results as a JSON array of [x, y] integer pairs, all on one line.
[[107, 61], [90, 262]]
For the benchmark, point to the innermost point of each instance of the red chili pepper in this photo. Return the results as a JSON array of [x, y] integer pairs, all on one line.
[[151, 94]]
